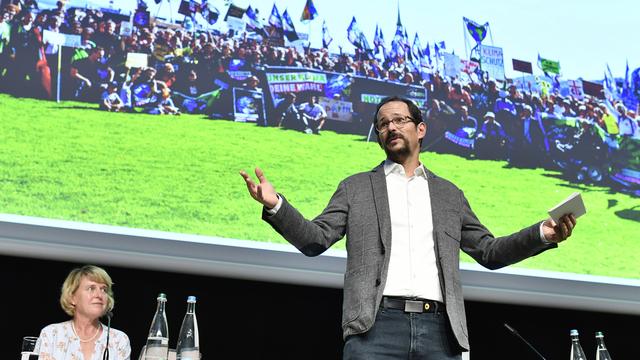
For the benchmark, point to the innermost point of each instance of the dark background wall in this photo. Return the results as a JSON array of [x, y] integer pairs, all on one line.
[[257, 320]]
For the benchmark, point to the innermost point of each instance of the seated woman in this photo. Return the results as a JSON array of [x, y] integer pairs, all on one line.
[[86, 296]]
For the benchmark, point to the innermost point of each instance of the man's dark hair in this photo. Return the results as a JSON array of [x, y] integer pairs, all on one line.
[[416, 114]]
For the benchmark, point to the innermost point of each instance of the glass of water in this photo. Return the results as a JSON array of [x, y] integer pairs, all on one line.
[[29, 348]]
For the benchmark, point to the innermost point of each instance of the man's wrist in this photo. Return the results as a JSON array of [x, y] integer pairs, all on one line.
[[542, 237], [274, 209]]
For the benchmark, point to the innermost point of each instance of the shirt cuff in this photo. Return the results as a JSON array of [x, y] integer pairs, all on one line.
[[542, 238], [275, 209]]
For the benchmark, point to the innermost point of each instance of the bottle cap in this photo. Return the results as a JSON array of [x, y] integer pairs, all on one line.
[[599, 334], [191, 299], [573, 332]]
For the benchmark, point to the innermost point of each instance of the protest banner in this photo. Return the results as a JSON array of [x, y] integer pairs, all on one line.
[[491, 61], [522, 66], [346, 98], [248, 105], [126, 28], [60, 39], [337, 109], [136, 60], [469, 66], [295, 82], [452, 65], [575, 88]]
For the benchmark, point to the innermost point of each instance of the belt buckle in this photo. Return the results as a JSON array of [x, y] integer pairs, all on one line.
[[413, 306]]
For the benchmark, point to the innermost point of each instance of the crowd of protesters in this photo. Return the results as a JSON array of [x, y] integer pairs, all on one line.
[[186, 72]]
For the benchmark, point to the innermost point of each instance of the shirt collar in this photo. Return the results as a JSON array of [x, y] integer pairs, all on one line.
[[393, 167]]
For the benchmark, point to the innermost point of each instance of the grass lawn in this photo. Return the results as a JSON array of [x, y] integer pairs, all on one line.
[[180, 174]]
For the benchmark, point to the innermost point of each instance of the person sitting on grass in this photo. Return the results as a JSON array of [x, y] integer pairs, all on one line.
[[314, 113], [144, 87], [111, 101], [491, 140], [90, 76], [288, 116], [164, 104]]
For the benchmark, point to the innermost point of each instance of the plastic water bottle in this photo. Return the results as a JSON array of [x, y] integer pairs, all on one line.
[[188, 347], [158, 339], [601, 351], [576, 349]]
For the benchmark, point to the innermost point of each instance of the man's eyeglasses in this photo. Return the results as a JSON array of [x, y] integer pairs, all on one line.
[[399, 122]]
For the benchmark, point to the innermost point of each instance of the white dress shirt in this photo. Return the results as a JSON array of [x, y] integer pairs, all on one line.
[[413, 271]]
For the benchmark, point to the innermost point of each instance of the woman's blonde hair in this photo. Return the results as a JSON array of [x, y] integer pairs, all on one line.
[[72, 282]]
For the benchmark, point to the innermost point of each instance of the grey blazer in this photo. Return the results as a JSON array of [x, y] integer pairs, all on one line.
[[360, 209]]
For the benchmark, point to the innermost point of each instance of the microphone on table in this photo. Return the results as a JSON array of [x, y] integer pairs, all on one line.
[[514, 332], [105, 354]]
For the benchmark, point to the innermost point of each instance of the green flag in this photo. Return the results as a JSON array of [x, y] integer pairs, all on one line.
[[549, 66]]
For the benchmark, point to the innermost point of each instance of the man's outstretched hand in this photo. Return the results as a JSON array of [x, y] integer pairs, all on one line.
[[263, 192], [558, 232]]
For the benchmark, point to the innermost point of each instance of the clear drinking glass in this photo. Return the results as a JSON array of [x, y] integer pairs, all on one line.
[[29, 348]]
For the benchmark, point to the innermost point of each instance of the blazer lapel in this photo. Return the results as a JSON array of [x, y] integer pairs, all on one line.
[[381, 200], [438, 201]]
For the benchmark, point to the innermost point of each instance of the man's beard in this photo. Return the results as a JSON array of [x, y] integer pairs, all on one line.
[[400, 154]]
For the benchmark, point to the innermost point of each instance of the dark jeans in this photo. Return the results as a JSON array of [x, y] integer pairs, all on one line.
[[399, 335]]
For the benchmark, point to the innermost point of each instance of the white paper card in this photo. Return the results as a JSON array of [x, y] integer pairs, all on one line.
[[571, 205]]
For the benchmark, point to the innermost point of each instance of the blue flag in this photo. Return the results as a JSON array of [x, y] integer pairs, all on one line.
[[478, 32], [397, 50], [274, 19], [625, 86], [309, 12], [427, 52], [356, 36], [416, 48], [364, 43], [378, 41], [287, 25], [610, 85], [326, 37], [399, 36], [376, 37], [405, 40], [253, 22], [353, 32]]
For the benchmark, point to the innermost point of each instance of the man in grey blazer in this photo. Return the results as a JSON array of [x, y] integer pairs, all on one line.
[[405, 227]]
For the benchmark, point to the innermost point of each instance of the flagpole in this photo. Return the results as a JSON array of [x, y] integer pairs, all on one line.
[[466, 40], [58, 75], [490, 33]]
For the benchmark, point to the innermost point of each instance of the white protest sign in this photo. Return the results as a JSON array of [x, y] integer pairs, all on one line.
[[235, 24], [136, 60], [126, 28], [56, 38], [469, 66], [492, 61], [336, 109], [452, 65], [575, 88]]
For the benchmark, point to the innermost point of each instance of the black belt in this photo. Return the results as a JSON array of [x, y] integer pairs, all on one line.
[[412, 305]]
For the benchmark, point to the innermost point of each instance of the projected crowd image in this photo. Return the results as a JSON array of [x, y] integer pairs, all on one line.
[[260, 63]]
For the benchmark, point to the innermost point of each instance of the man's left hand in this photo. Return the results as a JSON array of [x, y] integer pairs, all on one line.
[[556, 233]]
